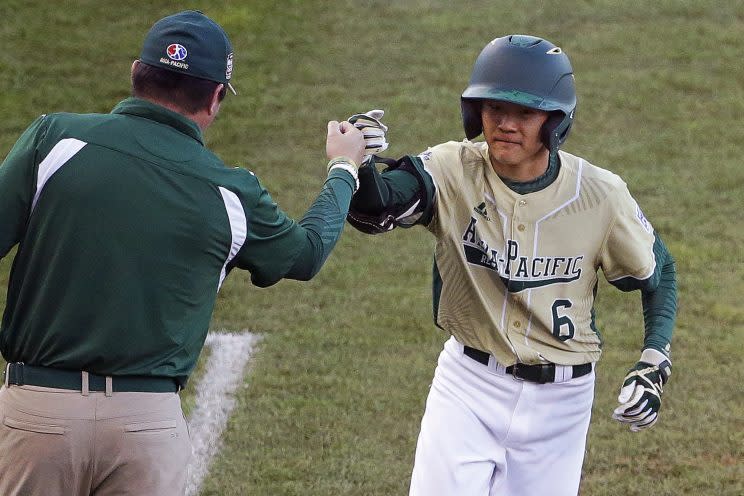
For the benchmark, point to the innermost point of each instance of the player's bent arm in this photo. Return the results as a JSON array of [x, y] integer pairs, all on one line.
[[402, 195]]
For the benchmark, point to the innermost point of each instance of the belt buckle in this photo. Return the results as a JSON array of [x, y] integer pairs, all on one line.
[[18, 375], [515, 367], [542, 379]]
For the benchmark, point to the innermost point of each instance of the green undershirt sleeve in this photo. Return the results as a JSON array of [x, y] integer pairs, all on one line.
[[660, 301]]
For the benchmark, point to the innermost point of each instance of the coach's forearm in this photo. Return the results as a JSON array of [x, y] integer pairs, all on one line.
[[323, 224]]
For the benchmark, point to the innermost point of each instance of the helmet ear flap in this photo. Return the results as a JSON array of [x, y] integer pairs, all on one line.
[[555, 130], [471, 117]]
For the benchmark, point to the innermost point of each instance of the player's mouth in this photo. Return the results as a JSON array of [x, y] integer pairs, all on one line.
[[508, 142]]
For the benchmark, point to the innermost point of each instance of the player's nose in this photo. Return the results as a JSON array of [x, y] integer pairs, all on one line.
[[506, 122]]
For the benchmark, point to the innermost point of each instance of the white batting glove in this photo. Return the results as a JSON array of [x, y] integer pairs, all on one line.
[[640, 395], [373, 130]]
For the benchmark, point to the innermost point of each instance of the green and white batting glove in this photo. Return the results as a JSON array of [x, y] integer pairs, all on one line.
[[373, 130], [640, 395]]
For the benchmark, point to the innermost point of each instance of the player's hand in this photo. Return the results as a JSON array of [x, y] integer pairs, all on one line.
[[640, 395], [374, 131]]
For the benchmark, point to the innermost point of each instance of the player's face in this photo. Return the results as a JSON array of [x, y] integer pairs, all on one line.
[[513, 135]]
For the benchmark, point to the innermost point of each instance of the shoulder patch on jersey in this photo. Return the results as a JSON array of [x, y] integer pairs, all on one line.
[[643, 220], [425, 155]]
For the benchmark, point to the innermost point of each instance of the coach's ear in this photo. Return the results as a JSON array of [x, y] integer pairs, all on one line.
[[214, 103], [134, 65]]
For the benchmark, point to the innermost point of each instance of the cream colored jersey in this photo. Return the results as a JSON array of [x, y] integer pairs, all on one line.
[[519, 271]]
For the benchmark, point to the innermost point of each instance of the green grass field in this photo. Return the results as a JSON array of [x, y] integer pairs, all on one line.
[[333, 399]]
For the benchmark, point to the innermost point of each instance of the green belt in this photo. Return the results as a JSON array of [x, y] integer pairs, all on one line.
[[20, 374]]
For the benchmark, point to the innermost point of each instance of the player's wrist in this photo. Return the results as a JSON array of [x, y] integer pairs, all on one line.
[[654, 357], [346, 164], [659, 360]]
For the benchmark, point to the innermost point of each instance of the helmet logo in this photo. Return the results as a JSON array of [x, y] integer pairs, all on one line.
[[554, 51]]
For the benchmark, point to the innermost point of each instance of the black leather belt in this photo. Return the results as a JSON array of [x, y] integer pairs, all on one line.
[[539, 373], [20, 374]]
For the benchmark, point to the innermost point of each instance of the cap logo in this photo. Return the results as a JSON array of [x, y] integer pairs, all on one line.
[[229, 67], [554, 51], [176, 51]]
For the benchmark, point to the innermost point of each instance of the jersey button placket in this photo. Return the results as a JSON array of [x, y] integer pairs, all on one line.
[[521, 235], [518, 209]]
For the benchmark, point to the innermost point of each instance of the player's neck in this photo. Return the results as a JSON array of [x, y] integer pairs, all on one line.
[[542, 182], [525, 171]]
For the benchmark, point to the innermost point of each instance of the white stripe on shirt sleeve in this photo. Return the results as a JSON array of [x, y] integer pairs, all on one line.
[[238, 227], [57, 157]]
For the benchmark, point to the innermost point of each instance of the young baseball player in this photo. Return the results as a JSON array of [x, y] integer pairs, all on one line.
[[521, 230]]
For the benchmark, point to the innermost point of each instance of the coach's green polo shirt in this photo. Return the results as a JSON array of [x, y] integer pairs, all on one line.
[[126, 226]]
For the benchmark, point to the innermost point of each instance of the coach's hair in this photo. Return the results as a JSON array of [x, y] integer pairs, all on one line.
[[186, 92]]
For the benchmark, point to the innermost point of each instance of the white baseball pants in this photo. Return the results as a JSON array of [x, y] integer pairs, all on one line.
[[485, 433]]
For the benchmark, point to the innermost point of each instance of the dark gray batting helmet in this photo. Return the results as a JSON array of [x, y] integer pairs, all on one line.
[[527, 71]]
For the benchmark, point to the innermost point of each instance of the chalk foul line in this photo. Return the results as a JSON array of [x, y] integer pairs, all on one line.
[[215, 400]]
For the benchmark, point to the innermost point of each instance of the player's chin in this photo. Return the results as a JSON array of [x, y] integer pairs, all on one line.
[[497, 147], [505, 156]]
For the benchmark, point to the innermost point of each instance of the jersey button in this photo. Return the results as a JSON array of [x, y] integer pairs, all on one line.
[[517, 324], [522, 203], [521, 227]]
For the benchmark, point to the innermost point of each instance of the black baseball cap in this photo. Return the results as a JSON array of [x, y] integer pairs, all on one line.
[[190, 43]]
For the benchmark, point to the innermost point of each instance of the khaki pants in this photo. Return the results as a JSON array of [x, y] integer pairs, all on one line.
[[57, 442]]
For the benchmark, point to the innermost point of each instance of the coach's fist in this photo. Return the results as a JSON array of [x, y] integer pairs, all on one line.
[[344, 147], [344, 140]]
